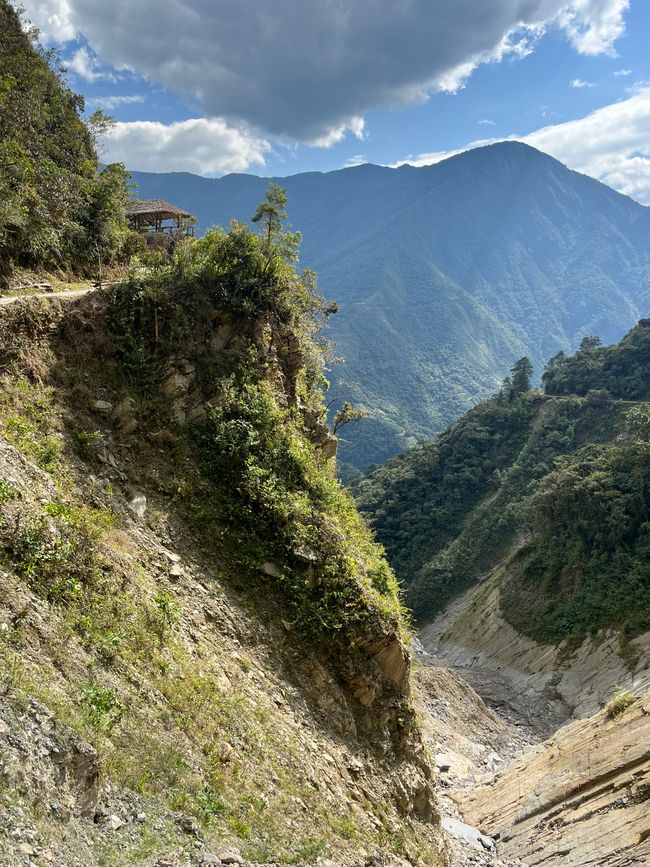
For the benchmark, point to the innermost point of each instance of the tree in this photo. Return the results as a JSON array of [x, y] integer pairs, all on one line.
[[589, 343], [105, 214], [554, 364], [346, 414], [49, 180], [637, 423], [522, 373], [271, 214]]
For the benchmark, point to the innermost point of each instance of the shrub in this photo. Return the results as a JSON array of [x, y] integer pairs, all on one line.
[[620, 703]]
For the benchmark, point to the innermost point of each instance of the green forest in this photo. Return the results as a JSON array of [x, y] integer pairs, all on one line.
[[550, 489], [58, 210]]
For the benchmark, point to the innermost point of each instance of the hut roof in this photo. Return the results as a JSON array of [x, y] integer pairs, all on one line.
[[155, 207]]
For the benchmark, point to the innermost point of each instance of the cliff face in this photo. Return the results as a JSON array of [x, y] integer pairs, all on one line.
[[200, 645]]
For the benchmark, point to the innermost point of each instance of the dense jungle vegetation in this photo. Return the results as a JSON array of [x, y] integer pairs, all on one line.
[[553, 487], [58, 211]]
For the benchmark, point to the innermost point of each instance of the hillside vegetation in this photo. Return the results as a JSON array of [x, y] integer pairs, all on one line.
[[446, 274], [549, 490], [58, 211], [190, 603]]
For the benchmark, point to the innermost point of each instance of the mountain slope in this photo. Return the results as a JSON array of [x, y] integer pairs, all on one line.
[[201, 646], [57, 212], [547, 493], [446, 274]]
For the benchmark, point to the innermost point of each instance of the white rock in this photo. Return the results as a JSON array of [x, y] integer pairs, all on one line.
[[138, 504], [463, 831], [114, 822], [102, 406]]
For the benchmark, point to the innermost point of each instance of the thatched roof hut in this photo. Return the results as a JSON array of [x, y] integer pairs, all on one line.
[[157, 215]]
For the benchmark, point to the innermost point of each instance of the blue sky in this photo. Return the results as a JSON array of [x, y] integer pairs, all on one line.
[[211, 87]]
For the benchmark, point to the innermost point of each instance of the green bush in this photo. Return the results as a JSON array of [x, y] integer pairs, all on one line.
[[56, 208]]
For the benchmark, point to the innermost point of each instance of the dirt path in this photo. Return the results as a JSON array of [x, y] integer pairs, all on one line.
[[65, 295]]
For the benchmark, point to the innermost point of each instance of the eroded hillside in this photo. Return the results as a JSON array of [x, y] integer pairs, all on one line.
[[521, 534], [201, 646]]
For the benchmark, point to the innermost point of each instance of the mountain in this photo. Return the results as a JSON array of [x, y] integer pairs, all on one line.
[[446, 274], [547, 494]]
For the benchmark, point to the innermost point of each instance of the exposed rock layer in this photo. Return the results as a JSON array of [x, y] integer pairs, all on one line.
[[550, 683], [581, 798]]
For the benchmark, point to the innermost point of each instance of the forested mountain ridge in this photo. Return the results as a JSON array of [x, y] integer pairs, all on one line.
[[446, 274], [549, 492]]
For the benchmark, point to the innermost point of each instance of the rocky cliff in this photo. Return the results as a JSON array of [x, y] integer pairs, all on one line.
[[548, 683]]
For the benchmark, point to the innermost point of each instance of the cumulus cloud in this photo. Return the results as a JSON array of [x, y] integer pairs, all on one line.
[[485, 121], [309, 71], [611, 144], [84, 65], [623, 73], [203, 146], [54, 18], [580, 84], [593, 26]]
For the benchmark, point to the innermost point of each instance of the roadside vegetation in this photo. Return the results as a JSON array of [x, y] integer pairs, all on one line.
[[59, 212], [183, 714]]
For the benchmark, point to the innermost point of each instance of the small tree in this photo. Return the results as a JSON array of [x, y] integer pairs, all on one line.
[[552, 366], [105, 214], [590, 342], [271, 214], [346, 414], [522, 373]]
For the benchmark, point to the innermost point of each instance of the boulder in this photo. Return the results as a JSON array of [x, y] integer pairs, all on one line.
[[103, 406], [138, 504]]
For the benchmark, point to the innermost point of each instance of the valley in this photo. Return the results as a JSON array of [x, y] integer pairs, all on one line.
[[237, 628], [544, 754], [446, 274]]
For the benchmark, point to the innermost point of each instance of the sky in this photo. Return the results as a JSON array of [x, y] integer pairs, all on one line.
[[276, 88]]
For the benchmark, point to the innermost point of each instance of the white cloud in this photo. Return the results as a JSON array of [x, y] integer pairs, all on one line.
[[611, 144], [485, 121], [303, 71], [54, 18], [203, 146], [356, 160], [580, 83], [623, 72], [84, 65], [111, 102], [355, 125], [593, 26]]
